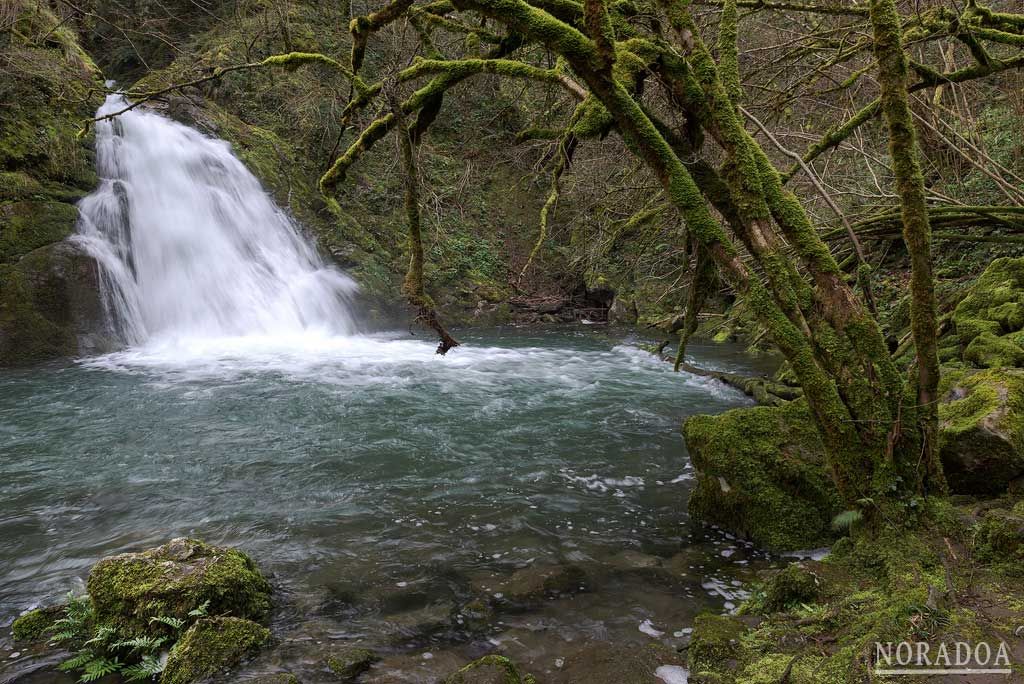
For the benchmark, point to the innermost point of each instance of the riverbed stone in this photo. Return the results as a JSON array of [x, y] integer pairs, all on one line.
[[276, 678], [174, 579], [981, 430], [349, 663], [761, 473], [618, 662], [535, 583], [210, 646]]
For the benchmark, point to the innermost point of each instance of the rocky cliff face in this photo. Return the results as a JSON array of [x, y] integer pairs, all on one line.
[[49, 304]]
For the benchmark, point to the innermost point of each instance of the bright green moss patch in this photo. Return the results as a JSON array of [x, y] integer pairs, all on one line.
[[37, 624], [761, 473], [210, 646], [792, 586], [715, 645], [993, 310], [30, 225]]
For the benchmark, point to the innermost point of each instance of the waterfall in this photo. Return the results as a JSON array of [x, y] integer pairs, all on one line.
[[191, 246]]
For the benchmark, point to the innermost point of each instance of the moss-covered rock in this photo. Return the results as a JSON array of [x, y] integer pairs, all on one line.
[[276, 678], [176, 578], [50, 306], [981, 437], [715, 643], [37, 624], [491, 669], [994, 309], [1000, 539], [349, 663], [761, 473], [793, 585], [211, 646]]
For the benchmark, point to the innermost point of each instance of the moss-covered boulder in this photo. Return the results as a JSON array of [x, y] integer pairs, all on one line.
[[987, 318], [210, 646], [491, 669], [36, 625], [761, 473], [173, 579], [981, 429], [791, 586], [715, 643], [349, 663]]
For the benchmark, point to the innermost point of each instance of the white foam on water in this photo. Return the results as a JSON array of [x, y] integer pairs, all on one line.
[[672, 674]]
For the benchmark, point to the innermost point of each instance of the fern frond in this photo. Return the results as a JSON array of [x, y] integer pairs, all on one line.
[[174, 623], [97, 668], [76, 661], [201, 611], [150, 666], [846, 520]]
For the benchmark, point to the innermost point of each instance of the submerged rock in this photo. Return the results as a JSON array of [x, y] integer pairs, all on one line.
[[349, 663], [174, 579], [761, 473], [535, 583], [276, 678], [989, 319], [211, 646], [37, 624], [981, 430], [620, 663]]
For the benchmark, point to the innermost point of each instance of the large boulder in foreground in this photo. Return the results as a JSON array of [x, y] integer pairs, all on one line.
[[981, 430], [210, 646], [761, 473], [174, 579], [989, 320]]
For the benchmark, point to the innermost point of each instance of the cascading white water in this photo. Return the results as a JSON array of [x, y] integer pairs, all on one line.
[[191, 247]]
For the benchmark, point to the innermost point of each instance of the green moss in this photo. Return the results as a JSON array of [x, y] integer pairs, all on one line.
[[1000, 539], [278, 678], [989, 351], [491, 669], [36, 624], [792, 586], [994, 308], [30, 225], [210, 646], [173, 579], [715, 645], [761, 474], [350, 663]]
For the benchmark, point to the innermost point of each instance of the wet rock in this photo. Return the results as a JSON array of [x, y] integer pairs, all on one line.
[[349, 663], [793, 585], [535, 583], [621, 663], [173, 579], [276, 678], [715, 644], [491, 669], [981, 430], [210, 646], [37, 624], [761, 473], [50, 306], [622, 312], [475, 616]]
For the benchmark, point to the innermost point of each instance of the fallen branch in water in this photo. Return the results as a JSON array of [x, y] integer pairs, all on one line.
[[764, 391]]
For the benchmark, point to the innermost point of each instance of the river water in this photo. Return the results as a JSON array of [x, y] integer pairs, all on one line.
[[355, 469]]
